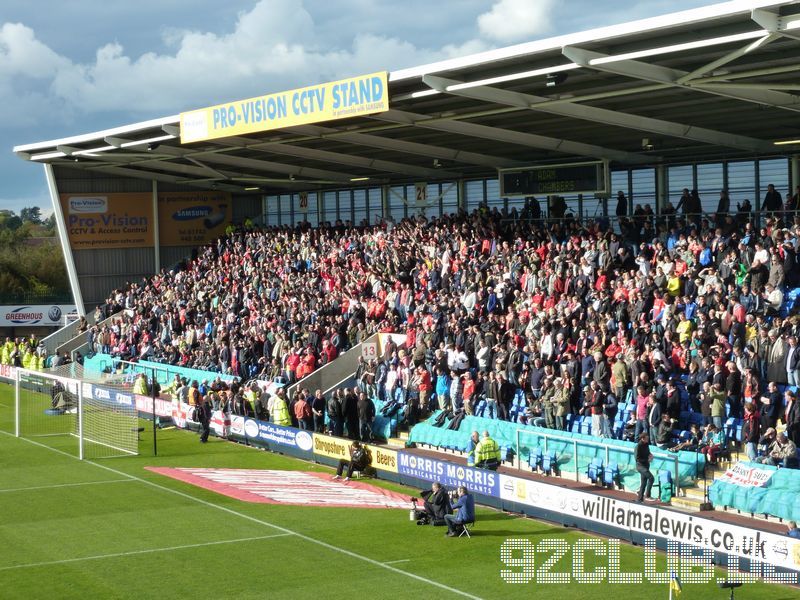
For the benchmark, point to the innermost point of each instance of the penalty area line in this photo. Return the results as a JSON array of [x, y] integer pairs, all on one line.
[[135, 552], [63, 485], [247, 517]]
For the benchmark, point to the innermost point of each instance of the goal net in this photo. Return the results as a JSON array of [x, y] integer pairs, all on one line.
[[87, 419]]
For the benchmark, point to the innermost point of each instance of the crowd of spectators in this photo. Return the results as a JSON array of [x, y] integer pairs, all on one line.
[[573, 317]]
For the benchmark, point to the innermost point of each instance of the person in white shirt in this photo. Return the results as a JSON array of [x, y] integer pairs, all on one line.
[[391, 381], [774, 299], [761, 255], [792, 362]]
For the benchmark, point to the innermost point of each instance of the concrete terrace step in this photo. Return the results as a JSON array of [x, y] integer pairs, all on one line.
[[396, 442], [689, 503], [696, 493]]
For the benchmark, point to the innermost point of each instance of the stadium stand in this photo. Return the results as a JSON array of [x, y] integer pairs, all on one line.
[[581, 327]]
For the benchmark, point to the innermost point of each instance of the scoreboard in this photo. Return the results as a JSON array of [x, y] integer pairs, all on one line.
[[554, 180]]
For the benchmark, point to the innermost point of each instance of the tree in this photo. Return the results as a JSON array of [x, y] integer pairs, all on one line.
[[12, 223], [31, 214]]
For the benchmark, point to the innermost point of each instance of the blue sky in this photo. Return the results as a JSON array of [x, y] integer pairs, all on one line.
[[85, 65]]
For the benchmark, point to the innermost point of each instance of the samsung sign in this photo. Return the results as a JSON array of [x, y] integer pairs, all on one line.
[[36, 315]]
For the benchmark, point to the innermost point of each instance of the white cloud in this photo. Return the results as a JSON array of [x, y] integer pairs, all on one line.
[[516, 20], [22, 54], [270, 48]]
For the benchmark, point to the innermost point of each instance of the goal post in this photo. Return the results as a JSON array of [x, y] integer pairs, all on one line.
[[74, 416]]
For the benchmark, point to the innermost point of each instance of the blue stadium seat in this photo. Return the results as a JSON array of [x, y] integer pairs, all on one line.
[[535, 458], [665, 485], [570, 421], [611, 476], [595, 470], [550, 463]]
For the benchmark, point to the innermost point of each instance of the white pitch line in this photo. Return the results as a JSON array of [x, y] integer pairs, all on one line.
[[395, 562], [247, 517], [63, 485], [135, 552]]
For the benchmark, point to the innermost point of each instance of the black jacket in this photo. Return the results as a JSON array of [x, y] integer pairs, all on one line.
[[437, 504]]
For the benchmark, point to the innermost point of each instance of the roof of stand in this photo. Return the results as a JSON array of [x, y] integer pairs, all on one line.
[[718, 82]]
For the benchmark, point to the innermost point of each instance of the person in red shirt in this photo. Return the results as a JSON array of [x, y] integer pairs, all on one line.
[[425, 388], [468, 392], [292, 362], [303, 413]]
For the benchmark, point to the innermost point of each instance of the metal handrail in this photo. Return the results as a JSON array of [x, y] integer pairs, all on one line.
[[555, 436]]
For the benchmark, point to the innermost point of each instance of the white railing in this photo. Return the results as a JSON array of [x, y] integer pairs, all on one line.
[[576, 443]]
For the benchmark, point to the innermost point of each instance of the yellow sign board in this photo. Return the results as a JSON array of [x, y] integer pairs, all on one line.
[[383, 459], [193, 218], [357, 96], [104, 221]]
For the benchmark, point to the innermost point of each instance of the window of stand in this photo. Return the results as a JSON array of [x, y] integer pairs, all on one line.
[[743, 179]]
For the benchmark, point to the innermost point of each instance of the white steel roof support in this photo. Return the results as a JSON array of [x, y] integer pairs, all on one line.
[[602, 115], [666, 75], [512, 137]]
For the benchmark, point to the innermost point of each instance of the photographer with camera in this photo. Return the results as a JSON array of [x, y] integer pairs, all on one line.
[[465, 512], [436, 505]]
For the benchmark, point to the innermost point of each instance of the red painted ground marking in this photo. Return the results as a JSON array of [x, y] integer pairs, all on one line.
[[287, 487]]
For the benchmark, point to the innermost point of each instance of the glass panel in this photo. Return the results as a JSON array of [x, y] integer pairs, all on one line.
[[432, 210], [346, 205], [678, 178], [619, 181], [375, 205], [397, 207], [643, 184], [473, 190], [449, 199], [329, 208], [285, 202], [271, 208], [709, 184], [360, 206], [742, 182], [493, 194], [776, 172], [312, 217]]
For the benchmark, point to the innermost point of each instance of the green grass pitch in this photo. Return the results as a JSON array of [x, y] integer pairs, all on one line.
[[111, 529]]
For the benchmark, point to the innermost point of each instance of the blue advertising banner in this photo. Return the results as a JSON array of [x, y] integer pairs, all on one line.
[[480, 481], [268, 433]]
